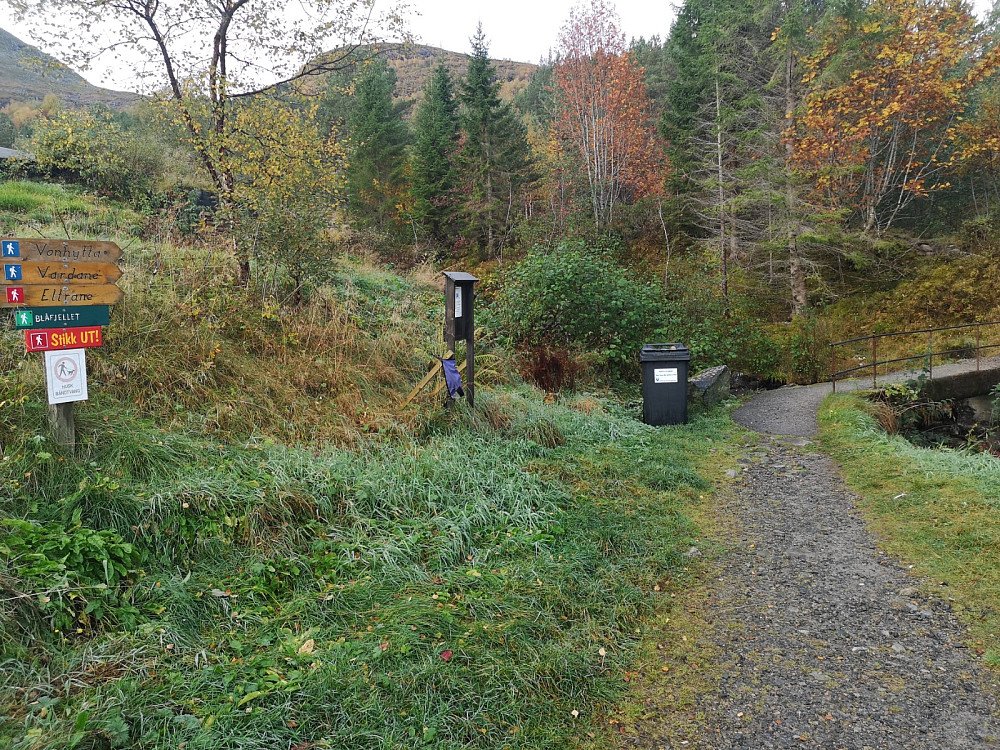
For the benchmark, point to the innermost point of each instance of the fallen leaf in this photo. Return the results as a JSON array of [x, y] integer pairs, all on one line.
[[308, 647], [602, 651], [446, 655]]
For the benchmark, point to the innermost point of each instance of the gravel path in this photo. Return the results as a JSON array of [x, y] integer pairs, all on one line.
[[819, 639], [834, 646], [792, 410]]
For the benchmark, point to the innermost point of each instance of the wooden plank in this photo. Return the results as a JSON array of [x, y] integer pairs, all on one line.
[[48, 272], [60, 296], [79, 251]]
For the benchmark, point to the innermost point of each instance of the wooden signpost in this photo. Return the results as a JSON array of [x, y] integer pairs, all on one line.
[[42, 340], [39, 295], [51, 282], [60, 272], [53, 317]]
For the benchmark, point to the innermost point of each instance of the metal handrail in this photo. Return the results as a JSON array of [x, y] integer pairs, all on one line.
[[928, 355]]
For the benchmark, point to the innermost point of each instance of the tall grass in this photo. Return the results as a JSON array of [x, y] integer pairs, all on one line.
[[450, 591]]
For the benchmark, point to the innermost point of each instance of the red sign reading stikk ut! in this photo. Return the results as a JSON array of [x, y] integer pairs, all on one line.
[[51, 339]]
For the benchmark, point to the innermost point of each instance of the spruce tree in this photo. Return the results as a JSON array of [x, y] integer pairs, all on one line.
[[495, 162], [379, 136], [434, 177]]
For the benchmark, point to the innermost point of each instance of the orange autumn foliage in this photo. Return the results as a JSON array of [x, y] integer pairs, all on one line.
[[603, 111], [885, 133]]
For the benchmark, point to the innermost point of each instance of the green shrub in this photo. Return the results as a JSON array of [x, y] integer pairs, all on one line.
[[578, 298], [74, 574]]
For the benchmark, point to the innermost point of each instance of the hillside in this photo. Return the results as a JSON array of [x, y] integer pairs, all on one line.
[[415, 63], [28, 74], [268, 551]]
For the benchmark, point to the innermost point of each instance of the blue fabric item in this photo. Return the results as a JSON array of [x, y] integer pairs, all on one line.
[[452, 378]]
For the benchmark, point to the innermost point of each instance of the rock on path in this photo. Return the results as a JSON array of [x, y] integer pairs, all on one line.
[[827, 643]]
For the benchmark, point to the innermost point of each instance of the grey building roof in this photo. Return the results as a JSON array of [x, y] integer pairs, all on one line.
[[11, 153]]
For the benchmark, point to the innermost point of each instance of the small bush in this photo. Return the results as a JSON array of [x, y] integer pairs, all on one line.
[[580, 299], [549, 369]]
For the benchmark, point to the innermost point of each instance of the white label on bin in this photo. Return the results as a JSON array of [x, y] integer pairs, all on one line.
[[458, 302], [665, 375]]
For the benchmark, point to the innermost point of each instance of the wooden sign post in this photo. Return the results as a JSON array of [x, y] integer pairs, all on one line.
[[77, 277], [459, 323]]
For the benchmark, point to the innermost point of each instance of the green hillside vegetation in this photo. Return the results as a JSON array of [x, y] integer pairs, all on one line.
[[414, 65], [212, 569]]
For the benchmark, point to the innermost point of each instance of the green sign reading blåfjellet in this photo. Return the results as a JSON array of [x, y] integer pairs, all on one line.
[[62, 317]]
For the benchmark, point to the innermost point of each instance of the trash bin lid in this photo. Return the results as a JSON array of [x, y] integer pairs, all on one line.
[[664, 353]]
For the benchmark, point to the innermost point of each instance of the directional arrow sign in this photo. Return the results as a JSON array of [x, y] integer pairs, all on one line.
[[51, 317], [61, 296], [58, 272], [79, 251], [51, 339]]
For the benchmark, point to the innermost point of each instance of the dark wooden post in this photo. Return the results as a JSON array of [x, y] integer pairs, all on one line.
[[979, 343], [833, 368], [874, 361], [459, 323], [470, 351]]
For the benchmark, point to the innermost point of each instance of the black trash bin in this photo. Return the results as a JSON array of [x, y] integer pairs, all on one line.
[[664, 383]]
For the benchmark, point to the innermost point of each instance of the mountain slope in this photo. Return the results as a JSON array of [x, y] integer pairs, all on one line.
[[415, 63], [28, 74]]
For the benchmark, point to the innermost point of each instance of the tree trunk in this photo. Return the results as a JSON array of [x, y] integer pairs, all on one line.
[[723, 245], [796, 267]]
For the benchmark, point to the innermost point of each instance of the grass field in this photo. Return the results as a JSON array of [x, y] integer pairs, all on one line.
[[483, 584]]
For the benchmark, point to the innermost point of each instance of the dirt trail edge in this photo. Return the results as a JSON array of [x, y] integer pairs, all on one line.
[[824, 641]]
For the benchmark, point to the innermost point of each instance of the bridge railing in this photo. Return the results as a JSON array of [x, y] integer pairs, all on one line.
[[864, 350]]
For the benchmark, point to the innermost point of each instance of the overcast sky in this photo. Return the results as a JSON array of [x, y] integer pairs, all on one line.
[[522, 30], [525, 30]]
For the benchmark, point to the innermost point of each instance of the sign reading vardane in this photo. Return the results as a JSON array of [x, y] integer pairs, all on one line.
[[54, 317], [57, 272]]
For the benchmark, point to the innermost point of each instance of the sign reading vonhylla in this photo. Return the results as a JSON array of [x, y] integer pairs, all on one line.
[[61, 292]]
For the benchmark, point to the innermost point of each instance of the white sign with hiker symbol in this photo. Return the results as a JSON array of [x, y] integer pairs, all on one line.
[[66, 375]]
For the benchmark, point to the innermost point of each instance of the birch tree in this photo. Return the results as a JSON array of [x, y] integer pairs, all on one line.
[[603, 111], [201, 59]]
